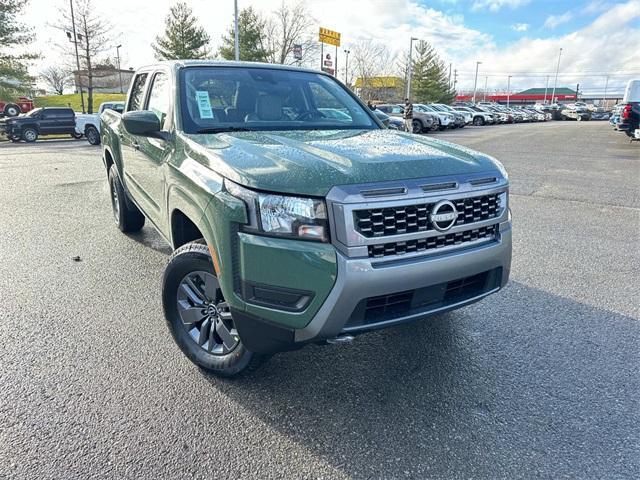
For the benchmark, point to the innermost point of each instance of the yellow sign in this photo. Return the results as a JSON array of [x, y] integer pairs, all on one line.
[[329, 36]]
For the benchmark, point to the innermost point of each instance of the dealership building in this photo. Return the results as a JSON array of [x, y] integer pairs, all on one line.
[[526, 97]]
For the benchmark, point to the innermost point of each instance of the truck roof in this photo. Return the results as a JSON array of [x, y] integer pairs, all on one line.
[[225, 63]]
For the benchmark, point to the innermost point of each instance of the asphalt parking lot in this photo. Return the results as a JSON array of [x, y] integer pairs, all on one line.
[[541, 380]]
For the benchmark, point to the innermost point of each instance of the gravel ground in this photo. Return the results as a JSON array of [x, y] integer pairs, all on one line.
[[538, 381]]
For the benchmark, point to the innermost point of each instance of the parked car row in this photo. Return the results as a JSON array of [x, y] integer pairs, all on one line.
[[56, 121]]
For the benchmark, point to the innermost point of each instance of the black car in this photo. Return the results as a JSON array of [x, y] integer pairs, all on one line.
[[40, 121]]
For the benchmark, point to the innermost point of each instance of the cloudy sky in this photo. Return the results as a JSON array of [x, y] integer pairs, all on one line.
[[510, 37]]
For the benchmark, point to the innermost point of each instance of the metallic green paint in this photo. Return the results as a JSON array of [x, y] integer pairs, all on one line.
[[311, 162], [288, 263]]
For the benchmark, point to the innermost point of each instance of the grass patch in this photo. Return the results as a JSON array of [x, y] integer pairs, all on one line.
[[73, 100]]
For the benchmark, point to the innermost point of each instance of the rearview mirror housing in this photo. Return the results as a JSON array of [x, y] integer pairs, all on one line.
[[141, 122]]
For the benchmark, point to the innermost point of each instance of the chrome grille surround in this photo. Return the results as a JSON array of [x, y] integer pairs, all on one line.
[[482, 207]]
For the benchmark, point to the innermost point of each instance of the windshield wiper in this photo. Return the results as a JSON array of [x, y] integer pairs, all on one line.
[[224, 129]]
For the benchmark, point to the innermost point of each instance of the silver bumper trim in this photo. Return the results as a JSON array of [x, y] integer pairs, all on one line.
[[358, 278]]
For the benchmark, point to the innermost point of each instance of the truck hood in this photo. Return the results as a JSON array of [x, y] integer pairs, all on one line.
[[312, 162]]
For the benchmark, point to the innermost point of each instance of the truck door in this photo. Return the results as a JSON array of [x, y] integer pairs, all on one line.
[[132, 158], [153, 152]]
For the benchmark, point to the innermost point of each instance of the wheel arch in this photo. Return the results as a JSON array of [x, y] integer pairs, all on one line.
[[186, 219]]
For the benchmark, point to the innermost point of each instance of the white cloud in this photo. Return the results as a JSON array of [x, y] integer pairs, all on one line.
[[553, 21], [520, 27], [586, 55], [595, 6], [495, 5]]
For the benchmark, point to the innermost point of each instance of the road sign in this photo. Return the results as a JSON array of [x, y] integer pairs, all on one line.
[[328, 70], [297, 51], [327, 60], [329, 36]]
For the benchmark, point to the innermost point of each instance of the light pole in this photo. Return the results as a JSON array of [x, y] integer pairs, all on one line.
[[119, 70], [236, 34], [75, 43], [508, 89], [545, 90], [484, 92], [604, 100], [555, 82], [475, 82], [346, 67], [410, 67]]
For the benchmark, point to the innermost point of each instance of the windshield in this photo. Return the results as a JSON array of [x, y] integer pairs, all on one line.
[[34, 112], [217, 99]]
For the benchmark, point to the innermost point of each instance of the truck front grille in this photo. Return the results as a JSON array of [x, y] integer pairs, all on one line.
[[382, 222], [430, 243]]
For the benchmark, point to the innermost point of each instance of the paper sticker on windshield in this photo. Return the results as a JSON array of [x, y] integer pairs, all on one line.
[[204, 105]]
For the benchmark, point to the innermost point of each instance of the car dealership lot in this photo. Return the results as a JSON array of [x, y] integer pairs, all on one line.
[[540, 379]]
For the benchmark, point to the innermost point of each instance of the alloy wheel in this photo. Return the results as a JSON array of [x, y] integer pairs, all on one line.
[[205, 314], [115, 201], [30, 135]]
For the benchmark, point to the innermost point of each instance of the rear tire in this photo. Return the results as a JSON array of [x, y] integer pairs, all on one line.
[[126, 215], [416, 126], [76, 135], [29, 134], [11, 110], [198, 316], [478, 121], [93, 137], [14, 139]]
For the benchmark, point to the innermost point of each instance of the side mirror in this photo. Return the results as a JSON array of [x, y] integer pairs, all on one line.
[[141, 122]]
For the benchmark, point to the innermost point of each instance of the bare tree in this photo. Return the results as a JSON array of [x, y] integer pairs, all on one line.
[[287, 26], [56, 78], [367, 61], [91, 37]]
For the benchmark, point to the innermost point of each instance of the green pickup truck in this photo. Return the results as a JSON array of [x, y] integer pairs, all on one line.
[[294, 215]]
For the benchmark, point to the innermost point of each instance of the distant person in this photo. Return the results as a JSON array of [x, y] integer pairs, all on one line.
[[371, 105], [408, 115]]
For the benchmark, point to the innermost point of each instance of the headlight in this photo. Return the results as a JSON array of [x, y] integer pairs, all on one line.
[[283, 215]]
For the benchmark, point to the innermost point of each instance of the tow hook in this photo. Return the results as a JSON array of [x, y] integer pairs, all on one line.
[[341, 340]]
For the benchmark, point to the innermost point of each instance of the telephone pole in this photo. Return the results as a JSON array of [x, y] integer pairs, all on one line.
[[555, 82], [236, 34], [475, 82], [75, 43], [410, 67]]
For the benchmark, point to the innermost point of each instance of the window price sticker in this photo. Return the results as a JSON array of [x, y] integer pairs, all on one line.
[[204, 105]]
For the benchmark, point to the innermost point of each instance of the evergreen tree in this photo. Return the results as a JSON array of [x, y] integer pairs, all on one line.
[[14, 78], [183, 37], [251, 30], [430, 77]]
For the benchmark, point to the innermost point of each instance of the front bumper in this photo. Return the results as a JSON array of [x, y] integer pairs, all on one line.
[[360, 279]]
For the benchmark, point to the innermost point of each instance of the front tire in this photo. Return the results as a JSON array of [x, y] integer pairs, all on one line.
[[76, 135], [198, 316], [478, 121], [416, 126], [29, 134], [126, 215], [93, 137]]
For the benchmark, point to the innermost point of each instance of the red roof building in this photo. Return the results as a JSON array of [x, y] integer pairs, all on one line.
[[532, 95]]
